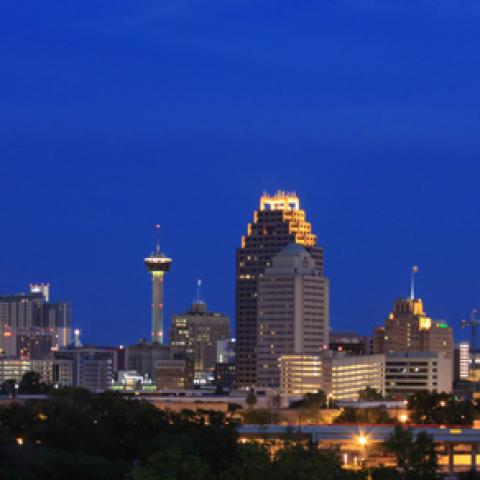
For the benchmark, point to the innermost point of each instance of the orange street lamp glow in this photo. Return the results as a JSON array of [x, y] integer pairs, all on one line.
[[362, 440]]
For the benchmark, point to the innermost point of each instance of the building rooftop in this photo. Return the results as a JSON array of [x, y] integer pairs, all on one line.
[[292, 250]]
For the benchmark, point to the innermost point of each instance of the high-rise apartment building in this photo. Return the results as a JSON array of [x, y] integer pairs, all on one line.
[[197, 332], [293, 312], [31, 325], [278, 222]]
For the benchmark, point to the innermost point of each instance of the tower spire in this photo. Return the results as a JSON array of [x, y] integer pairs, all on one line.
[[199, 284], [157, 239], [412, 282]]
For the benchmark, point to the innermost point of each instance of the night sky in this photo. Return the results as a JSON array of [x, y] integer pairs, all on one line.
[[116, 115]]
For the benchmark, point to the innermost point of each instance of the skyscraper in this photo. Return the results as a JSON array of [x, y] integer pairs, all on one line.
[[408, 329], [196, 332], [278, 222], [31, 325], [157, 264], [293, 312]]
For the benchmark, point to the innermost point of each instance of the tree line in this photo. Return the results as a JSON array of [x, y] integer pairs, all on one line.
[[75, 434]]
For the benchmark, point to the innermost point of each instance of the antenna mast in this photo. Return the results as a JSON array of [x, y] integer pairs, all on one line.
[[157, 237], [412, 282], [199, 284]]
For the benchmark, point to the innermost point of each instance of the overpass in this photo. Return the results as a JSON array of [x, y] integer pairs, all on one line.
[[457, 447]]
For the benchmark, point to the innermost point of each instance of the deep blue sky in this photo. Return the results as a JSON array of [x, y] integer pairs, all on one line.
[[116, 115]]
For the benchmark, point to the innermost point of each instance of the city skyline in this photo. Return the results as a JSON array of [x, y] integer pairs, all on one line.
[[367, 329], [116, 117]]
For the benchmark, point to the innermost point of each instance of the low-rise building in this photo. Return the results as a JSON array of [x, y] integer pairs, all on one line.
[[144, 356], [51, 371], [93, 367], [410, 372], [175, 373], [340, 376]]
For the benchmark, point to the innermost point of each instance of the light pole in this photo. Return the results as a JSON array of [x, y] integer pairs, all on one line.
[[362, 441]]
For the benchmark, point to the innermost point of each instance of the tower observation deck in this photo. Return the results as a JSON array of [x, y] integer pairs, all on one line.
[[157, 264]]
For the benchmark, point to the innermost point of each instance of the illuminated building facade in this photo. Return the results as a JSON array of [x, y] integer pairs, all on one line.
[[410, 372], [278, 222], [461, 362], [31, 325], [408, 329], [293, 312], [157, 264], [197, 332], [340, 376], [51, 371]]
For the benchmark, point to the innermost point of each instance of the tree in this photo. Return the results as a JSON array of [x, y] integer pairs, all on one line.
[[251, 399], [310, 406], [31, 383], [306, 463], [440, 408], [8, 387], [364, 415], [415, 457], [252, 462], [369, 394], [260, 416], [276, 401]]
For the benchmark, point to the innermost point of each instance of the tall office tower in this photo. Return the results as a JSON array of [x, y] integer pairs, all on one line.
[[157, 264], [278, 222], [31, 325], [196, 332], [293, 307], [408, 329]]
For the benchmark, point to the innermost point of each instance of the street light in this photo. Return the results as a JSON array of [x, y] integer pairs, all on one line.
[[362, 440]]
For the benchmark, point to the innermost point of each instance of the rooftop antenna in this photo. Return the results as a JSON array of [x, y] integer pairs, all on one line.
[[199, 284], [157, 236], [412, 282]]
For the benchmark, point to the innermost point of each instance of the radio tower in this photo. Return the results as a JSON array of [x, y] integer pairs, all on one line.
[[157, 264]]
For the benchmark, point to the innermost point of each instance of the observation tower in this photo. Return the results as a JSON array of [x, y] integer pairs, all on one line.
[[157, 264]]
